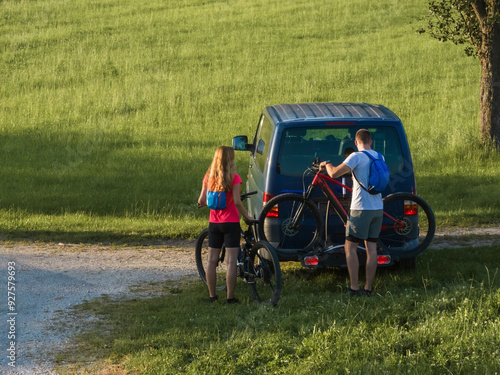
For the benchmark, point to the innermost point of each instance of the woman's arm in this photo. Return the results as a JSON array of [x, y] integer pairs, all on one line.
[[239, 204], [202, 200]]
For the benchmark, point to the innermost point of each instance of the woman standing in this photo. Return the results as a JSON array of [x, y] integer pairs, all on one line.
[[224, 224]]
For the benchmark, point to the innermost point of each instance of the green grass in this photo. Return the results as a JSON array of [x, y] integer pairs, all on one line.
[[441, 318], [110, 111]]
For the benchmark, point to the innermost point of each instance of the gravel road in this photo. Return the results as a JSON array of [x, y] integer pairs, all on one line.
[[52, 278]]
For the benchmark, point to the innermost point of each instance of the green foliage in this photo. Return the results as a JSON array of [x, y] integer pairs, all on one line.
[[441, 318], [463, 22], [455, 21], [110, 111]]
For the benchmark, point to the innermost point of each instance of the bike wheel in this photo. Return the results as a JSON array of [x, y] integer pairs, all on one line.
[[264, 273], [290, 223], [201, 256], [414, 228]]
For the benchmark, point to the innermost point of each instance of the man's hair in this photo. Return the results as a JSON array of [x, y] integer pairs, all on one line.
[[363, 136]]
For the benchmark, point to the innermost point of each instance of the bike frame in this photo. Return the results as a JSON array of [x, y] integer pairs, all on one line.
[[320, 180]]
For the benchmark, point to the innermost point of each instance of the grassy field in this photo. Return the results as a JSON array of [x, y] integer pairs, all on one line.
[[110, 111], [439, 319]]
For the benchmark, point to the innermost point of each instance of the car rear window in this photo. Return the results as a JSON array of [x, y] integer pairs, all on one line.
[[300, 146]]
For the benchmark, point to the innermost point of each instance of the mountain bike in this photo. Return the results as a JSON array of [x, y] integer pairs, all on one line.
[[290, 219], [258, 264]]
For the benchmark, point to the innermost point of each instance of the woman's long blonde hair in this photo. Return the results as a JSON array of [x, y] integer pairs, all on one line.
[[220, 175]]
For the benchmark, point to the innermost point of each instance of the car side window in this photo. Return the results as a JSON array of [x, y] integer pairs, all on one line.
[[261, 147], [263, 139]]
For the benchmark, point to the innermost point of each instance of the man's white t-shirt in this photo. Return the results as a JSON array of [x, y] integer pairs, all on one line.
[[361, 199]]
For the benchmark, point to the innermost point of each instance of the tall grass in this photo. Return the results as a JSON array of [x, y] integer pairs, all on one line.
[[442, 318], [110, 111]]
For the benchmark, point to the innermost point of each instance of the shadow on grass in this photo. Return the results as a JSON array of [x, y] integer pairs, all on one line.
[[90, 237], [99, 173]]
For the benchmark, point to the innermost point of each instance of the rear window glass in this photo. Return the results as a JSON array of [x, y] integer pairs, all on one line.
[[300, 146]]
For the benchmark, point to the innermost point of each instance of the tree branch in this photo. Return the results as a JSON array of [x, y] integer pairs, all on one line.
[[480, 8], [469, 19]]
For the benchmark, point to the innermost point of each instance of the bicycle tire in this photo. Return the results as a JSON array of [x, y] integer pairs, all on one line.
[[277, 231], [264, 274], [201, 254], [418, 228]]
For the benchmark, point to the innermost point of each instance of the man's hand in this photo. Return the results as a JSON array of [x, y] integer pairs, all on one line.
[[322, 165]]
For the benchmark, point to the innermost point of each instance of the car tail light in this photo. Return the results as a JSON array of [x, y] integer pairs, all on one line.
[[311, 261], [274, 211], [384, 259], [410, 208]]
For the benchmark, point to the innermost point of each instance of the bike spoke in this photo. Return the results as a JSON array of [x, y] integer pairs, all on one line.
[[408, 225], [266, 270], [290, 223]]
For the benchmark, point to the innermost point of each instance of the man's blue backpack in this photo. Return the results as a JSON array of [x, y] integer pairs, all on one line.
[[379, 175]]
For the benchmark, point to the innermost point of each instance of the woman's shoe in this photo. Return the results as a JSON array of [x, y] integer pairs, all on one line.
[[353, 292]]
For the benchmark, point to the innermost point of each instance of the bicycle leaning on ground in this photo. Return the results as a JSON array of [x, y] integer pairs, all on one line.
[[257, 265], [408, 224]]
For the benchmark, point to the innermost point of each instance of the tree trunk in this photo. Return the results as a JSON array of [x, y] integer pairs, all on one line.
[[489, 124]]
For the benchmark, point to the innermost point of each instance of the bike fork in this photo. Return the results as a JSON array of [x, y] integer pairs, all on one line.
[[299, 212]]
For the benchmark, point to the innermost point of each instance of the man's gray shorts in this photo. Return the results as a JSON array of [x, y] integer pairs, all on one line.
[[364, 224]]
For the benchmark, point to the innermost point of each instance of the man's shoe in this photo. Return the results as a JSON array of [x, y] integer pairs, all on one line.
[[213, 299], [367, 293], [233, 300]]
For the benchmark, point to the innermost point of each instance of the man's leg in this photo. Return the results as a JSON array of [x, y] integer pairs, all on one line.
[[351, 253], [371, 263], [371, 248]]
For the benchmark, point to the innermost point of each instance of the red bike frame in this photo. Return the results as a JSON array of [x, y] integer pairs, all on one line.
[[320, 180]]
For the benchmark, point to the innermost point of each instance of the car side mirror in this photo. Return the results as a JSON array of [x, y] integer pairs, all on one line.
[[240, 143]]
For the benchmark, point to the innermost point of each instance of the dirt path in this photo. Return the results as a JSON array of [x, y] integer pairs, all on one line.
[[52, 278], [461, 237]]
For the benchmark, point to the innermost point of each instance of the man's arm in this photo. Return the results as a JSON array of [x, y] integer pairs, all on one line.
[[334, 172]]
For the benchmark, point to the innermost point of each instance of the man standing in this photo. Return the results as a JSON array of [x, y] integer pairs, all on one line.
[[365, 217]]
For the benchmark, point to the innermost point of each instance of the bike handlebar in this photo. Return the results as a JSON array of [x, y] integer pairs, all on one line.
[[314, 167], [246, 195]]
